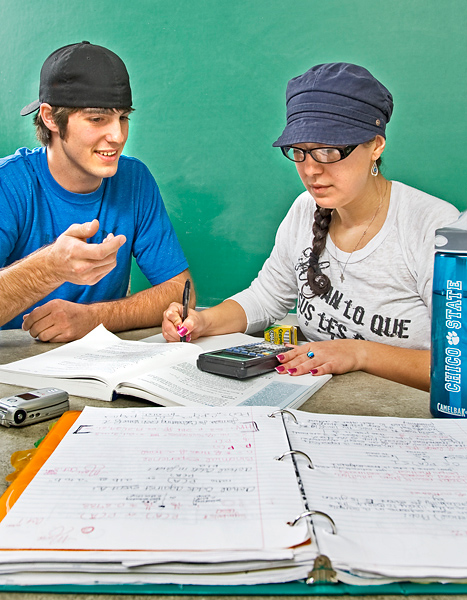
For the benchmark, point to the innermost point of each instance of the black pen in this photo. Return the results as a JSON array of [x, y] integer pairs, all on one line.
[[186, 303]]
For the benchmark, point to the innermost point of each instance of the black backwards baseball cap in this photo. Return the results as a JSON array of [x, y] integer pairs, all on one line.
[[336, 104], [83, 76]]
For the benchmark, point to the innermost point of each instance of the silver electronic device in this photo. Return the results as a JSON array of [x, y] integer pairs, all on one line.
[[31, 407]]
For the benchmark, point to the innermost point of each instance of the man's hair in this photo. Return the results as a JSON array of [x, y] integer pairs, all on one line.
[[60, 115]]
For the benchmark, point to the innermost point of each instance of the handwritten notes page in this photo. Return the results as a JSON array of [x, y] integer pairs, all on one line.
[[162, 479], [395, 488]]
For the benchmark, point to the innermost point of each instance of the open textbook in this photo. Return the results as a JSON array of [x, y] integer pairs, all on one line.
[[101, 365], [237, 496]]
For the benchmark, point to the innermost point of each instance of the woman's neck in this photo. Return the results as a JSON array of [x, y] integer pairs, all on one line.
[[353, 226]]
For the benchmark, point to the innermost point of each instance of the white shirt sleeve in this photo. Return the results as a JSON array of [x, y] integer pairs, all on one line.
[[419, 217]]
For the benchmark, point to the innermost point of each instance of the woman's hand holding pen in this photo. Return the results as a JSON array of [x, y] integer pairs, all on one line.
[[227, 317], [321, 358], [174, 327]]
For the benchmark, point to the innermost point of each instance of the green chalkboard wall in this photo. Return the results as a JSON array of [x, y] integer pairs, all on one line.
[[209, 78]]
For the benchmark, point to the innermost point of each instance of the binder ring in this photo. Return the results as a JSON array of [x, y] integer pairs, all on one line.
[[310, 463], [284, 410], [310, 513]]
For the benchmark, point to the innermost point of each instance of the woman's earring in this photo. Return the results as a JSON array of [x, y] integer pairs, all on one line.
[[374, 169]]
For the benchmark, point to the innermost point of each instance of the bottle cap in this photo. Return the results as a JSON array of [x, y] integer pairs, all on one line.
[[453, 237]]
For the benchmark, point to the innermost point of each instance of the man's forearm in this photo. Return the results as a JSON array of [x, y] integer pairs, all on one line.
[[24, 283], [143, 309], [69, 258]]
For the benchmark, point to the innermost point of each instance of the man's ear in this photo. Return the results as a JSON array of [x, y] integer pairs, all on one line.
[[45, 111]]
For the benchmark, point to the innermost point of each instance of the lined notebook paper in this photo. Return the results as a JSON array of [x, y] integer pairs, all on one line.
[[169, 479]]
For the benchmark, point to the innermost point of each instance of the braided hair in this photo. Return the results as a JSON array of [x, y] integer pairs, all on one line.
[[318, 281]]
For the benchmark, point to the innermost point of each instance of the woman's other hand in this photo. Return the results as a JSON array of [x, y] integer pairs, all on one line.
[[322, 358]]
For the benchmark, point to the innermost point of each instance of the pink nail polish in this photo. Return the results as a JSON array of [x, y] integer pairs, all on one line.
[[182, 331], [314, 371], [188, 337], [292, 371], [280, 357], [280, 369]]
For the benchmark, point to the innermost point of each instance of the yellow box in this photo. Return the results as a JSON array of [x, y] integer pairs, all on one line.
[[281, 334]]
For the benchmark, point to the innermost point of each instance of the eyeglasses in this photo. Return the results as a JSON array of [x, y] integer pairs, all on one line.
[[321, 155]]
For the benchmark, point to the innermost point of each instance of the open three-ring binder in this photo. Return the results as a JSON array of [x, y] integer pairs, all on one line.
[[239, 500]]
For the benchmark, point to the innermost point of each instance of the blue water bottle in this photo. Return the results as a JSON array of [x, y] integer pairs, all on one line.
[[448, 394]]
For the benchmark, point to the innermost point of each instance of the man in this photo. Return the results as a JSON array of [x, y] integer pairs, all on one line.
[[75, 211]]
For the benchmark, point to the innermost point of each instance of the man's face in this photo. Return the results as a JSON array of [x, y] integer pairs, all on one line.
[[90, 149]]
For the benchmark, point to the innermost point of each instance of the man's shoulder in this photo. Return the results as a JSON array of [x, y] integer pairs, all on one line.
[[22, 158], [20, 171], [129, 165], [133, 176]]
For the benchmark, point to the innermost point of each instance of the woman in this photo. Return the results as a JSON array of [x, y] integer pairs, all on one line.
[[355, 251]]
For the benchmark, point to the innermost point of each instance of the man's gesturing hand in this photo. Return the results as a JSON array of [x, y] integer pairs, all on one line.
[[72, 259]]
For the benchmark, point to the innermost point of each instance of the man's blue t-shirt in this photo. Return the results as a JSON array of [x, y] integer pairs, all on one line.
[[35, 210]]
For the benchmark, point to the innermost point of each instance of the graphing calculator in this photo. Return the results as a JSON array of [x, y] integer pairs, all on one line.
[[242, 361]]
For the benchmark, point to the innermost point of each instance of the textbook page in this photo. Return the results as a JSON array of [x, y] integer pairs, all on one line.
[[210, 342], [167, 479], [93, 365], [395, 488], [101, 363], [182, 383]]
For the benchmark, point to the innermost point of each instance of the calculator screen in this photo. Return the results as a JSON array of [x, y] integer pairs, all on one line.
[[232, 356]]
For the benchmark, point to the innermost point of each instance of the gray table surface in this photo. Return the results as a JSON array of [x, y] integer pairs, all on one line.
[[353, 393]]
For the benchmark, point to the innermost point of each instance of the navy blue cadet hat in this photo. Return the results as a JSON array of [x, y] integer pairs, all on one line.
[[83, 75], [335, 104]]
